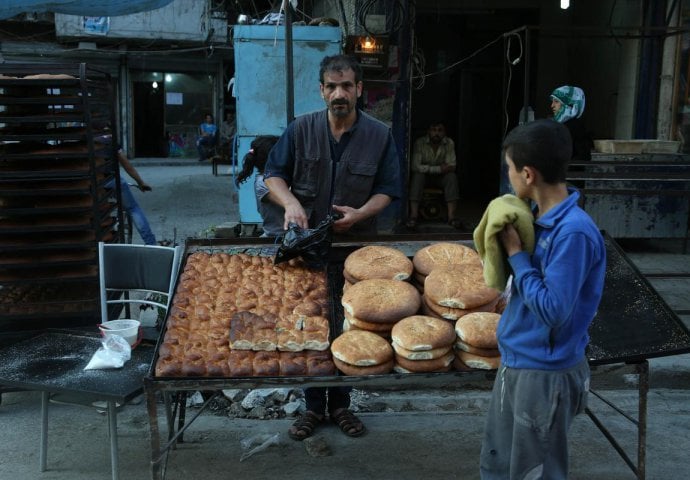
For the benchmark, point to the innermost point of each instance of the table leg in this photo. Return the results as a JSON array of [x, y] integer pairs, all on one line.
[[643, 372], [45, 397], [639, 468], [155, 434], [112, 425]]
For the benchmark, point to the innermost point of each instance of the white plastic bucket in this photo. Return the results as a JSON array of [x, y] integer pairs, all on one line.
[[126, 328]]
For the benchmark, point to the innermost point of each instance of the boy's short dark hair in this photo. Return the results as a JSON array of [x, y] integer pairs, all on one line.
[[544, 145], [340, 63]]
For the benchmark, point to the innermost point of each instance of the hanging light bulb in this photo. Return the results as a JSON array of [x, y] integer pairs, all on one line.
[[368, 44], [154, 84], [565, 4]]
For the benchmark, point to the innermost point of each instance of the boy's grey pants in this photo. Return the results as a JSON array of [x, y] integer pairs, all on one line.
[[526, 433]]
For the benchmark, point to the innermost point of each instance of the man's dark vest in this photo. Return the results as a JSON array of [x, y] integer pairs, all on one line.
[[354, 173]]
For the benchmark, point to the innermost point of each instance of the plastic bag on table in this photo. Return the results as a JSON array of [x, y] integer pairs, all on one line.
[[257, 443], [312, 244], [114, 353]]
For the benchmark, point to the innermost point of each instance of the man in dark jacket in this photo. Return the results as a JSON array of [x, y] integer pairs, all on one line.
[[337, 160]]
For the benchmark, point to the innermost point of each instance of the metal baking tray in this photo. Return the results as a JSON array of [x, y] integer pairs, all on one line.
[[338, 253], [633, 322]]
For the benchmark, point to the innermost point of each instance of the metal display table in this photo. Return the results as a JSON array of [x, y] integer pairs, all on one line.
[[54, 361], [633, 324]]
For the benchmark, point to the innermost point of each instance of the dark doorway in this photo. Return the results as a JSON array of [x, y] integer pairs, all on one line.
[[465, 86], [149, 130]]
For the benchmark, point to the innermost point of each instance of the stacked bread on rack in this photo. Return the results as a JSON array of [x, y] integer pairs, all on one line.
[[476, 345], [241, 315], [441, 254], [423, 344], [456, 281], [452, 292], [377, 304], [376, 261], [359, 352], [419, 306]]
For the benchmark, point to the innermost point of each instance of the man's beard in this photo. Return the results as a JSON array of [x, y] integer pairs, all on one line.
[[338, 112]]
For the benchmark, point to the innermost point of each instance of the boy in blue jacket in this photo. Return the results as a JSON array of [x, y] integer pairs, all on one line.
[[543, 380]]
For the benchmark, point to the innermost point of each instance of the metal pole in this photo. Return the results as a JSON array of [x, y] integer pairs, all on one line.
[[289, 78], [643, 386], [525, 108]]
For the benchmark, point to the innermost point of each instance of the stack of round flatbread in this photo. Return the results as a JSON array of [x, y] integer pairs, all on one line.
[[375, 261], [440, 254], [451, 292], [359, 352], [377, 304], [476, 345], [423, 344]]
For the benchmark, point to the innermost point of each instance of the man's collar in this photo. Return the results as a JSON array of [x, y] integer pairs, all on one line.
[[442, 142], [353, 126]]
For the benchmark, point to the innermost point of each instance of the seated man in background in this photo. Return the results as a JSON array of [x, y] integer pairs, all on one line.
[[227, 129], [433, 162], [207, 137]]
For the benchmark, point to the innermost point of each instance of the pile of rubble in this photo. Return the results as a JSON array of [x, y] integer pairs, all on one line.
[[275, 403]]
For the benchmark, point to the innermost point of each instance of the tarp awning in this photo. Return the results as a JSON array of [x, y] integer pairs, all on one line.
[[90, 8]]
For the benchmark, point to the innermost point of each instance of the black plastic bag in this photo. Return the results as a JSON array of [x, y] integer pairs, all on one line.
[[312, 244]]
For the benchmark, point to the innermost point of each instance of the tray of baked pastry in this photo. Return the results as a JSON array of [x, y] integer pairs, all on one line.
[[235, 313]]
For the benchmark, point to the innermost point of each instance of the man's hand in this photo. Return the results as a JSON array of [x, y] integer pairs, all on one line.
[[144, 187], [350, 217], [511, 240], [445, 168], [280, 194], [294, 213]]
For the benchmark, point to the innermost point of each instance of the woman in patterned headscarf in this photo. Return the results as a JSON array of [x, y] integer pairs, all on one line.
[[568, 105]]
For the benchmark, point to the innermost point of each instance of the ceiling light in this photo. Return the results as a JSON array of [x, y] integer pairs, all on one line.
[[565, 4]]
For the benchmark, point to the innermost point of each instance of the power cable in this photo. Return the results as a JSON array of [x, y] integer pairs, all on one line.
[[469, 57], [395, 16]]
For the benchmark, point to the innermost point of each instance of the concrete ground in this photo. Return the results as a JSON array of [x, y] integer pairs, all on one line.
[[411, 434], [438, 435], [186, 200]]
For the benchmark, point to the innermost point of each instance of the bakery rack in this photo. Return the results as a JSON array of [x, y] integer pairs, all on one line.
[[54, 204]]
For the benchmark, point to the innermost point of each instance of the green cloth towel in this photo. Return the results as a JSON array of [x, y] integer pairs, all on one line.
[[501, 211]]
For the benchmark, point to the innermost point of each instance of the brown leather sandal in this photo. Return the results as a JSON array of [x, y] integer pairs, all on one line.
[[348, 422], [304, 426]]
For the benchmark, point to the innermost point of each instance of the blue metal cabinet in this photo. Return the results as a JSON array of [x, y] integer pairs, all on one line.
[[260, 87]]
